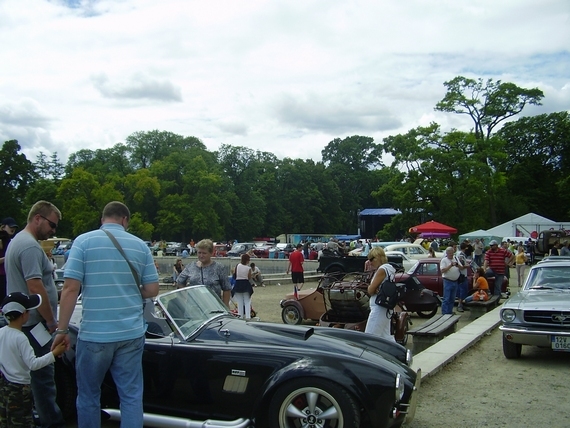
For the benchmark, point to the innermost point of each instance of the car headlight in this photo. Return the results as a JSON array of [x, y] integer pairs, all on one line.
[[399, 391], [508, 315]]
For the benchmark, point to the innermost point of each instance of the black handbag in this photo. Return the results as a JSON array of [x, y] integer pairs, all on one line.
[[389, 294]]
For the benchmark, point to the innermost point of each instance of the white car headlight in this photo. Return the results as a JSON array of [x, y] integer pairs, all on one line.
[[399, 391], [508, 315]]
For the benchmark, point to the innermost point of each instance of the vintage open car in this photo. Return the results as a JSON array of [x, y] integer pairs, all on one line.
[[353, 308], [205, 367]]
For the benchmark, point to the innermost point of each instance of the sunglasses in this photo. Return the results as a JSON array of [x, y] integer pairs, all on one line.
[[371, 258], [51, 223]]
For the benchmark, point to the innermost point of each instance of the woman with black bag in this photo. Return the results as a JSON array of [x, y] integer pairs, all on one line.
[[242, 291], [379, 318]]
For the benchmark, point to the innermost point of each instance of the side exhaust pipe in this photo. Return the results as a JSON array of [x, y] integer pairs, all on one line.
[[161, 421]]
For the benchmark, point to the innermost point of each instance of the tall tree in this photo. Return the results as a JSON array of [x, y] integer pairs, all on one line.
[[538, 164], [438, 176], [147, 147], [51, 168], [487, 103], [350, 161]]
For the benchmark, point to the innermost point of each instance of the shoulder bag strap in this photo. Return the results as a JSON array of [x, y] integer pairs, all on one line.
[[118, 246]]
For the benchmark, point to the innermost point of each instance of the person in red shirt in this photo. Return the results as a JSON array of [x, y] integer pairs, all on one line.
[[496, 261], [296, 260]]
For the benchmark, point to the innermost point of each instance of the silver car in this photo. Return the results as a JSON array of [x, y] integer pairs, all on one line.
[[539, 315]]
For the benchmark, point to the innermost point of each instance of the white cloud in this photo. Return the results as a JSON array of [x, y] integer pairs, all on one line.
[[279, 76]]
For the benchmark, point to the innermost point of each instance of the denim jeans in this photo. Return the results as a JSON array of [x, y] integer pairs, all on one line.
[[499, 278], [449, 293], [462, 290], [43, 387], [124, 361]]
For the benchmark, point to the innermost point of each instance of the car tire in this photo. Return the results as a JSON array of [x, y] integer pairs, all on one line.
[[301, 401], [511, 350], [291, 315], [427, 314]]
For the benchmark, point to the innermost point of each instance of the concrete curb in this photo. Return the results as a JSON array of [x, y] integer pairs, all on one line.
[[446, 350]]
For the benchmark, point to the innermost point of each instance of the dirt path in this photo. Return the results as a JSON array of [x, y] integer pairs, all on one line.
[[481, 388]]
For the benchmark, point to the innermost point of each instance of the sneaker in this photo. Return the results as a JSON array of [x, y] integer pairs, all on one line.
[[460, 309]]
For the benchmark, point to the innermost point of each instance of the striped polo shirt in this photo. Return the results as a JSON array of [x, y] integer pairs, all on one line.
[[496, 259], [112, 304]]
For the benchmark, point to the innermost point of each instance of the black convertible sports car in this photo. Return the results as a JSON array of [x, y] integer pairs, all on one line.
[[205, 367]]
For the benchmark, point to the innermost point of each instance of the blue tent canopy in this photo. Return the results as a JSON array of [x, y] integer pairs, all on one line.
[[346, 237]]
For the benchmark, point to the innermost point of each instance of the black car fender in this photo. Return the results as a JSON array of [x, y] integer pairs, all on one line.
[[372, 389]]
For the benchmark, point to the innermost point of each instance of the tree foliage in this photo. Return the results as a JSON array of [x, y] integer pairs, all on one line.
[[487, 103]]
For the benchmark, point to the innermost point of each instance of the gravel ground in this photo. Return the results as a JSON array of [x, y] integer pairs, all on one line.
[[481, 388]]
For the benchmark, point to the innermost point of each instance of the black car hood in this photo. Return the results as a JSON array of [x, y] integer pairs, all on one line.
[[336, 341]]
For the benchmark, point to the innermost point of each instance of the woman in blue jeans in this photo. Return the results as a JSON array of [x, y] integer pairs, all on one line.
[[450, 273]]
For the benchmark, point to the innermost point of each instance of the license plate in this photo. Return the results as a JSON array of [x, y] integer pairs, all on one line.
[[561, 343]]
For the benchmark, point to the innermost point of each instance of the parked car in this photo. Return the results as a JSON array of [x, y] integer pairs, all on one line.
[[429, 274], [262, 250], [413, 251], [220, 250], [240, 248], [284, 248], [59, 280], [172, 249], [204, 366], [406, 261], [539, 314]]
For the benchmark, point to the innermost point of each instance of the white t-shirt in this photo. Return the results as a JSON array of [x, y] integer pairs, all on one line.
[[17, 356], [453, 273]]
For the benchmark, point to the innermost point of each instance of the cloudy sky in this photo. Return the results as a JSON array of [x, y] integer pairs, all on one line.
[[285, 77]]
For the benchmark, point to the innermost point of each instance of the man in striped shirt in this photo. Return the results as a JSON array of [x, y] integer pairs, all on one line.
[[112, 330], [496, 261]]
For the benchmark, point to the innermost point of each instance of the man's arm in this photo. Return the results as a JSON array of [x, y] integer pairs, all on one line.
[[149, 290], [36, 286], [67, 303]]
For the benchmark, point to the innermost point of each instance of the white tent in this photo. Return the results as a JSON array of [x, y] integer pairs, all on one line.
[[481, 234], [523, 226]]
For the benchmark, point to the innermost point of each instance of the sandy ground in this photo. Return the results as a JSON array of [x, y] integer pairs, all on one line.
[[481, 388]]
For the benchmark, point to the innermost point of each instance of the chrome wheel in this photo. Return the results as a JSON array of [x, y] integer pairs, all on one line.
[[301, 404]]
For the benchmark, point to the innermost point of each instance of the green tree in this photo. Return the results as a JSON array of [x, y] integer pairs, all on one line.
[[487, 103], [51, 168], [350, 162], [538, 165], [16, 176], [148, 147], [83, 199], [438, 176], [101, 162]]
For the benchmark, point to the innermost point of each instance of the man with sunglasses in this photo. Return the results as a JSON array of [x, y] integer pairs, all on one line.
[[29, 271]]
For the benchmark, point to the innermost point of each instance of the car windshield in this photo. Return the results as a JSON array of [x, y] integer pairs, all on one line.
[[548, 277], [191, 307]]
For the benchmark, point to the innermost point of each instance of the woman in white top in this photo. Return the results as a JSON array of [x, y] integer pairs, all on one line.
[[379, 318], [242, 291]]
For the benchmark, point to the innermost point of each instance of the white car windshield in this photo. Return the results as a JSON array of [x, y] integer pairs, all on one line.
[[548, 277]]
